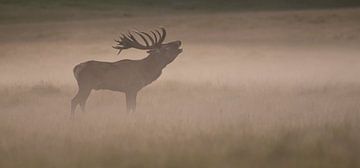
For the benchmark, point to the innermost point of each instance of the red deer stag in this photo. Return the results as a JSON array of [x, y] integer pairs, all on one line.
[[128, 76]]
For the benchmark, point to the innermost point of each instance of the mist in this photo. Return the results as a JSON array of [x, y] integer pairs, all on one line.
[[256, 86]]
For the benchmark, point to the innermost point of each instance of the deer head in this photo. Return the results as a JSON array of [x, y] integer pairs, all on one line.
[[153, 43]]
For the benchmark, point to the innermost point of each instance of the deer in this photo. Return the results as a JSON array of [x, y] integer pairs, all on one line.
[[127, 76]]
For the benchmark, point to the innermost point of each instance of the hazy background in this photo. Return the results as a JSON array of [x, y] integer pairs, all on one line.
[[259, 84]]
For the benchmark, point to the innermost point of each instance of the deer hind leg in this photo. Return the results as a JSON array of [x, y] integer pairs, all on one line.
[[80, 98], [131, 101]]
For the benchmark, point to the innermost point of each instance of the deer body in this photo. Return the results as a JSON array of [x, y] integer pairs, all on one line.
[[128, 76], [120, 76]]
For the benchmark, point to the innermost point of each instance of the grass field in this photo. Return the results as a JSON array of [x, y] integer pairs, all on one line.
[[273, 89], [218, 127]]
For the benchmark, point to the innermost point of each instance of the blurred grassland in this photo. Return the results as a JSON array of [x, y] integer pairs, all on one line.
[[15, 11], [270, 127]]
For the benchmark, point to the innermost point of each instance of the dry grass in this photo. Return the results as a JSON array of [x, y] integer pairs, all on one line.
[[180, 125]]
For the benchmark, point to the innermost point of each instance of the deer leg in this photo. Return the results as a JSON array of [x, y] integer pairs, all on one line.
[[131, 101], [85, 96], [80, 98], [74, 103]]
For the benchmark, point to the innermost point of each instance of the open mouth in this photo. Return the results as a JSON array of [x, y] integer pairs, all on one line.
[[180, 50]]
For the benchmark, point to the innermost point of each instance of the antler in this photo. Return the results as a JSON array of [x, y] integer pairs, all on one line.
[[130, 41]]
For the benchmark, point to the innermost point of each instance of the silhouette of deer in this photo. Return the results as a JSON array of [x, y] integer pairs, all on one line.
[[128, 76]]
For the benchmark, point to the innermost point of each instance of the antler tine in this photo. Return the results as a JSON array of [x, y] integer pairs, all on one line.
[[143, 37], [141, 34], [120, 42], [162, 38], [135, 43], [156, 39], [119, 51], [150, 38], [157, 31], [130, 40]]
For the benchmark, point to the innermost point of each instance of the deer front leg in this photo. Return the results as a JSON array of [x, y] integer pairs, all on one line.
[[80, 98], [131, 101]]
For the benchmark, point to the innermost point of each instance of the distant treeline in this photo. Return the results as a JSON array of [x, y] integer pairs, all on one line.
[[190, 4]]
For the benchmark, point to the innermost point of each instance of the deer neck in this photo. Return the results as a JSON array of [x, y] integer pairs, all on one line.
[[154, 64]]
